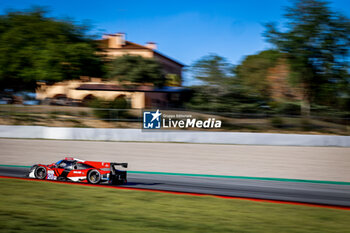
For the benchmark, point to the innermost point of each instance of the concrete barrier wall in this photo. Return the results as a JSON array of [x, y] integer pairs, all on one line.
[[138, 135]]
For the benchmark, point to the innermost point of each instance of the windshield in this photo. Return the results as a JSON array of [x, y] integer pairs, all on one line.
[[59, 162]]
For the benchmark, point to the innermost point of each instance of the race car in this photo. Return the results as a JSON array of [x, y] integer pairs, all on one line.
[[77, 170]]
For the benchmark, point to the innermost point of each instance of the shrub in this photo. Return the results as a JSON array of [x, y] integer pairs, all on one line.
[[287, 108], [305, 124], [277, 122], [110, 110]]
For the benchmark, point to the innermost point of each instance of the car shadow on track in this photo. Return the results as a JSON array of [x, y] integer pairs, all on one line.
[[140, 183]]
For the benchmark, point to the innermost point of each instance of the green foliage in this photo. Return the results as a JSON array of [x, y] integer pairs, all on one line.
[[136, 69], [286, 108], [306, 124], [220, 91], [230, 101], [317, 43], [105, 109], [277, 122], [253, 71], [31, 206], [34, 47], [173, 80], [212, 70]]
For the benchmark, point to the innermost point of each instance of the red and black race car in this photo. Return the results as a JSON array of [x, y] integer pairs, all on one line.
[[72, 169]]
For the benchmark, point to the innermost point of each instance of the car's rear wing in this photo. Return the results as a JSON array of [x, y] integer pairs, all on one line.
[[118, 174]]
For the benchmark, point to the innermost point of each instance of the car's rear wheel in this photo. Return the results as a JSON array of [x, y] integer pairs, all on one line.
[[40, 172], [94, 177]]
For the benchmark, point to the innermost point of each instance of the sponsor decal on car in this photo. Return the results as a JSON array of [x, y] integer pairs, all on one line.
[[51, 175]]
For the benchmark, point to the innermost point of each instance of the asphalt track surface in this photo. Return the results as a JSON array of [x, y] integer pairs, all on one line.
[[303, 192]]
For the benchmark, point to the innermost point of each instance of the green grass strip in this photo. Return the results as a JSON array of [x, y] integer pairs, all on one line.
[[223, 176], [29, 206]]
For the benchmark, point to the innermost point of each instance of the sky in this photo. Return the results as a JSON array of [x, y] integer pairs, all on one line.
[[183, 30]]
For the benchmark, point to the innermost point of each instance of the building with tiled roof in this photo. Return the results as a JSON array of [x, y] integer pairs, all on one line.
[[138, 95], [114, 45]]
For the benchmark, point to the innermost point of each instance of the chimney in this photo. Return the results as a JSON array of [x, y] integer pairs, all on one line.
[[151, 45], [116, 41]]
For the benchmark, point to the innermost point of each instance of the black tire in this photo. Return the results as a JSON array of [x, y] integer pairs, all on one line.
[[40, 173], [93, 176]]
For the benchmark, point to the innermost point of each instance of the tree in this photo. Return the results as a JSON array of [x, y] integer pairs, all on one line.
[[212, 69], [173, 80], [136, 69], [34, 47], [220, 89], [317, 42], [252, 72]]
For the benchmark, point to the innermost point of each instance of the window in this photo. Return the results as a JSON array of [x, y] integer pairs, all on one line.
[[65, 164]]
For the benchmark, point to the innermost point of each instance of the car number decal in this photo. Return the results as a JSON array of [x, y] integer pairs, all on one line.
[[51, 175]]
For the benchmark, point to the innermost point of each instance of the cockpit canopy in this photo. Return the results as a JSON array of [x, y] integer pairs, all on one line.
[[71, 165]]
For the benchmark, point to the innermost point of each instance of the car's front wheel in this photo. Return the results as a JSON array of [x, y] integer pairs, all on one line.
[[40, 172], [94, 177]]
